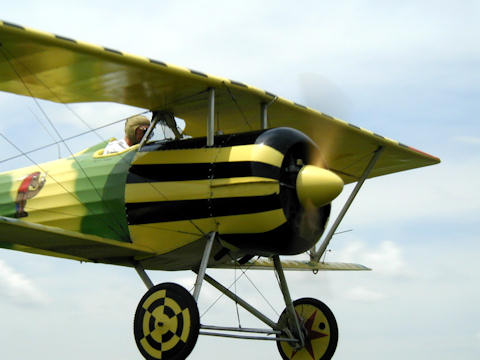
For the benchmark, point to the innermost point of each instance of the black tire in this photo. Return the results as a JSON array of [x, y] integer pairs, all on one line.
[[319, 328], [166, 323]]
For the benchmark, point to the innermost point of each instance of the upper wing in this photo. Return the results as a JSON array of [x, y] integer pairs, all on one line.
[[64, 70], [46, 240]]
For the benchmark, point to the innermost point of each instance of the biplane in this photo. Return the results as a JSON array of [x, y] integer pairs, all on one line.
[[250, 178]]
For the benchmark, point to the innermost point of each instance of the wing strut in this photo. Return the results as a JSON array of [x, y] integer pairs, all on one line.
[[315, 255], [203, 265], [211, 117], [264, 114]]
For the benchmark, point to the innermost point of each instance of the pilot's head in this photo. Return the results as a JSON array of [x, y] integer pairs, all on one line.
[[135, 128]]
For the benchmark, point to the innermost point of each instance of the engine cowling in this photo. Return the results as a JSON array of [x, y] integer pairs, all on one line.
[[306, 191]]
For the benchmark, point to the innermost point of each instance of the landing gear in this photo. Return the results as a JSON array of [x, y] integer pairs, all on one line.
[[319, 328], [167, 323]]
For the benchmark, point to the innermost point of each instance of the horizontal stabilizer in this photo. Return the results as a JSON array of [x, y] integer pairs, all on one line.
[[267, 264], [46, 240]]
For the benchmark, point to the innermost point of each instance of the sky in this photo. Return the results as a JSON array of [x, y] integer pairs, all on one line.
[[408, 70]]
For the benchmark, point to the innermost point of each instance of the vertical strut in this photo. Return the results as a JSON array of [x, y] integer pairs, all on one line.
[[263, 116], [203, 265], [211, 117], [264, 113], [143, 275], [293, 322], [155, 119], [316, 255]]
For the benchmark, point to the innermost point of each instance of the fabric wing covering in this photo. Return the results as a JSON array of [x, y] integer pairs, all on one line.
[[64, 70]]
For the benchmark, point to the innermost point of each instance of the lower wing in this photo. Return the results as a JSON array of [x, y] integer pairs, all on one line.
[[46, 240]]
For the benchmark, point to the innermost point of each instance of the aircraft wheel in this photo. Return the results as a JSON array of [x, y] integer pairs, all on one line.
[[319, 328], [166, 324]]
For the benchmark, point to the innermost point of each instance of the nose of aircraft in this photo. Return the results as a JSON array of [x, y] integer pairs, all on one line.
[[317, 186]]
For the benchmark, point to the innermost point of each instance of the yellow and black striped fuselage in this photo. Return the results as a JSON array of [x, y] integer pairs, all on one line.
[[177, 192], [170, 194]]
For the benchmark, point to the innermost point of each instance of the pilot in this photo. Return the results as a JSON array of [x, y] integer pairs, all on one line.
[[135, 129]]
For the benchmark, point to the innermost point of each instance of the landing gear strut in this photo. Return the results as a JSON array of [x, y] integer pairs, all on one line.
[[167, 322]]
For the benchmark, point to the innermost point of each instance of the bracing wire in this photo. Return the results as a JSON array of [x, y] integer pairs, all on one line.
[[236, 303], [46, 130], [238, 106], [102, 201], [244, 270], [6, 55], [67, 139], [50, 90]]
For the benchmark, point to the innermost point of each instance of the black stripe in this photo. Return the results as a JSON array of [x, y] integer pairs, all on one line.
[[151, 323], [167, 336], [157, 62], [163, 211], [405, 146], [354, 126], [113, 51], [270, 94], [202, 171], [13, 25], [280, 139], [238, 83], [300, 105], [180, 325], [228, 140], [153, 343], [198, 73], [155, 304], [65, 38], [380, 136]]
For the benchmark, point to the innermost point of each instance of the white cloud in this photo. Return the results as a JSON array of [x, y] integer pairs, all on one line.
[[386, 260], [18, 288], [475, 140], [363, 294], [433, 193]]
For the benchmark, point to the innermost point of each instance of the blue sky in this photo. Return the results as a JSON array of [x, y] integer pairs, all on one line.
[[409, 71]]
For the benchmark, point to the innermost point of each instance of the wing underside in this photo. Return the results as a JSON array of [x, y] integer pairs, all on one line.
[[295, 265], [64, 70], [46, 240]]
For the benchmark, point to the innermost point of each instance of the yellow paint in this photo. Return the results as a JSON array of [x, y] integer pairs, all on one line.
[[56, 204], [150, 350], [200, 189], [187, 324], [165, 237], [317, 186], [167, 191], [205, 155], [251, 223], [255, 187], [319, 345], [172, 324], [54, 64], [153, 297]]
